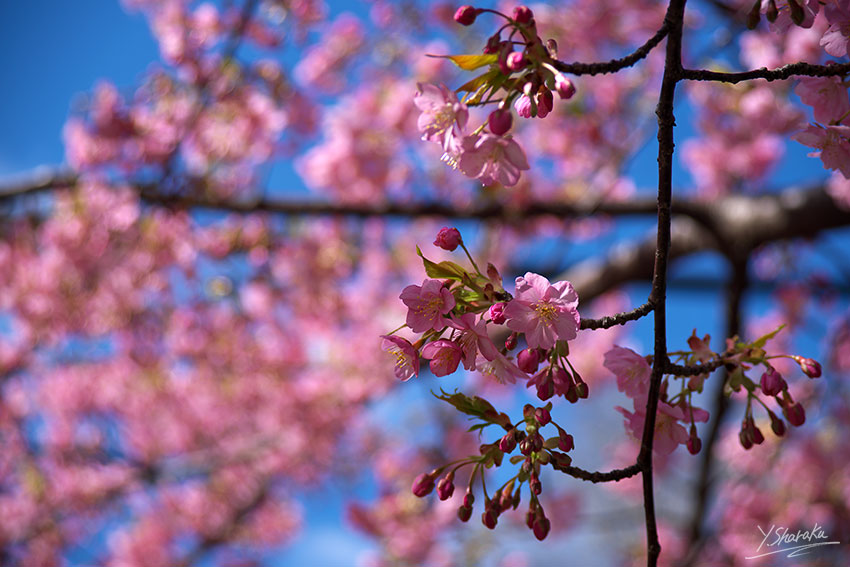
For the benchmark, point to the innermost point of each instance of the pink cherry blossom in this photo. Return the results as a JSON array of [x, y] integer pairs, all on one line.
[[631, 369], [668, 432], [407, 359], [426, 305], [492, 159], [833, 143], [443, 119], [826, 95], [500, 367], [834, 40], [544, 312], [473, 339], [444, 355]]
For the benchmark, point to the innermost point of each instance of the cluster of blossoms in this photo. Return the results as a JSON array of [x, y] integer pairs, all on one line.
[[454, 307], [675, 411], [525, 79]]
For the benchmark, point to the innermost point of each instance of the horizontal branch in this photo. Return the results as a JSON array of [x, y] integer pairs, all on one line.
[[615, 65], [597, 477], [695, 370], [619, 318], [778, 74]]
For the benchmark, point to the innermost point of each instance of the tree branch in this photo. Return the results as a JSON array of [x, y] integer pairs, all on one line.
[[778, 74], [615, 65], [597, 477]]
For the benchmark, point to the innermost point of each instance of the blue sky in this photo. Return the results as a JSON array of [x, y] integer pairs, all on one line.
[[51, 53]]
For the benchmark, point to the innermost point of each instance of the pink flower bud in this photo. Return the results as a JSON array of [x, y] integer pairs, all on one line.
[[564, 86], [523, 106], [795, 414], [541, 528], [423, 485], [500, 121], [810, 367], [772, 382], [497, 313], [446, 487], [466, 15], [542, 416], [516, 61], [448, 238], [511, 341], [523, 14], [758, 438], [535, 485], [507, 443], [545, 103], [566, 442], [464, 513], [494, 45], [468, 499], [528, 360]]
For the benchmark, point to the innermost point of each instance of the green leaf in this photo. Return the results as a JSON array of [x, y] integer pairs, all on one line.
[[443, 270], [470, 62], [479, 81], [761, 341]]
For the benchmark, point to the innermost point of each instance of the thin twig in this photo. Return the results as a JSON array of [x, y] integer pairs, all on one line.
[[785, 72], [615, 65]]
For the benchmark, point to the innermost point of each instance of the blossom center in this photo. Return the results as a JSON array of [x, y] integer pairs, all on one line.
[[429, 308], [545, 311]]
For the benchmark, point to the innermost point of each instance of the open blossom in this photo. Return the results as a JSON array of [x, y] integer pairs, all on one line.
[[631, 369], [444, 355], [834, 40], [443, 117], [834, 143], [501, 368], [426, 305], [407, 359], [668, 432], [544, 312], [492, 159], [826, 95], [473, 339]]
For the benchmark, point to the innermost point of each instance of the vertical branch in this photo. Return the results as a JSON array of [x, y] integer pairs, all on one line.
[[658, 295]]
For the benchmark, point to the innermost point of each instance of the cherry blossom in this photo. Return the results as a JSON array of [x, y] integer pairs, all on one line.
[[544, 312]]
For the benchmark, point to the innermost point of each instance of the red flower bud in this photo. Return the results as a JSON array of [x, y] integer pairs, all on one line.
[[564, 87], [500, 121], [810, 366], [777, 425], [694, 443], [528, 360], [497, 315], [448, 238], [446, 487], [464, 513], [516, 61], [541, 528], [466, 15], [523, 14], [423, 485], [795, 414], [772, 382], [542, 416], [489, 519], [507, 443], [566, 442]]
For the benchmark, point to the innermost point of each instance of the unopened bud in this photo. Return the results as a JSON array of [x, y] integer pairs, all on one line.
[[497, 315], [500, 121], [464, 513], [465, 15], [772, 382], [446, 487], [516, 61], [809, 366], [542, 415], [528, 360], [448, 238], [423, 484], [523, 14], [777, 425], [564, 87], [795, 414]]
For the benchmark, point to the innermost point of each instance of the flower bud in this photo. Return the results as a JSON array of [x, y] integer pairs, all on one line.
[[758, 438], [582, 390], [524, 106], [497, 315], [566, 442], [564, 87], [777, 425], [516, 61], [489, 519], [745, 440], [494, 44], [500, 121], [810, 367], [466, 15], [694, 442], [448, 238], [446, 487], [572, 394], [464, 513], [545, 103], [535, 485], [528, 360], [523, 14], [511, 341], [772, 382], [468, 499], [423, 484], [542, 415], [541, 526], [795, 414], [507, 443]]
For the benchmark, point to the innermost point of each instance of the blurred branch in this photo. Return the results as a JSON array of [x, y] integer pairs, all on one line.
[[778, 74]]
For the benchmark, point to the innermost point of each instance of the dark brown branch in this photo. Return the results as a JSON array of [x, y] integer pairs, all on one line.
[[618, 319], [658, 296], [615, 65], [778, 74], [695, 370], [615, 475]]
